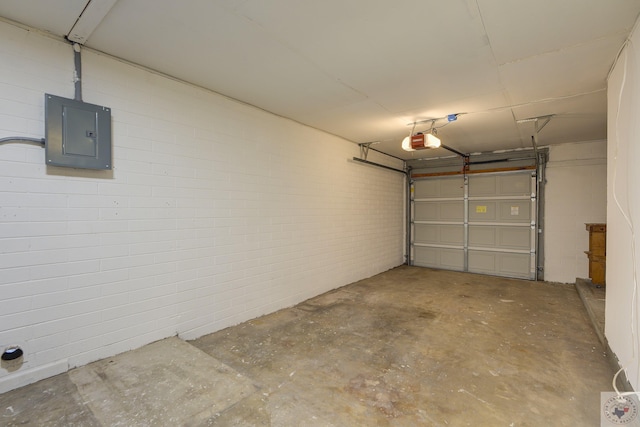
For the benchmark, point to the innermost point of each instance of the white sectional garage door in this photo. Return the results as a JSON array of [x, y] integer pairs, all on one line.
[[481, 223], [438, 223]]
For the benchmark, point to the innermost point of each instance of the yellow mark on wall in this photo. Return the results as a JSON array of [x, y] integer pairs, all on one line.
[[481, 209]]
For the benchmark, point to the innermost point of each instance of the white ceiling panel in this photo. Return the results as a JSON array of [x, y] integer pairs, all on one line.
[[224, 51], [410, 64], [521, 29], [572, 71], [588, 105], [56, 17], [483, 132], [363, 121], [579, 118], [364, 69]]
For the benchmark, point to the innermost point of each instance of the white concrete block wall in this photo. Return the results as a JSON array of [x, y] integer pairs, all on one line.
[[215, 212], [576, 193]]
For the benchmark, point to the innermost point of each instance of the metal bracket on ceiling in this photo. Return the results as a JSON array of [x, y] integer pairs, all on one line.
[[537, 120], [364, 149], [366, 146], [539, 127], [364, 152], [544, 123], [539, 123]]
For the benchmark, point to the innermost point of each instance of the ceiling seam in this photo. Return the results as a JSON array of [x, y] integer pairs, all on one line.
[[537, 101], [77, 19], [506, 93], [563, 49], [314, 63]]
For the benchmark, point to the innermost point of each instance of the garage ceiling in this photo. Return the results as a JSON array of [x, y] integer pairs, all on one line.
[[365, 69]]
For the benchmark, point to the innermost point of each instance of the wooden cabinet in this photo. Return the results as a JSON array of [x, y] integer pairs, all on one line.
[[597, 252]]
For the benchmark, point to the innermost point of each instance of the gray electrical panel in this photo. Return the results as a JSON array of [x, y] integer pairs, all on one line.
[[77, 134]]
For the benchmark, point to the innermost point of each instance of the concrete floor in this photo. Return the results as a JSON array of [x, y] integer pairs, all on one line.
[[411, 346]]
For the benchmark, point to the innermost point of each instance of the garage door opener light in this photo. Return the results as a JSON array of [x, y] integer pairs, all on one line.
[[421, 141], [428, 139]]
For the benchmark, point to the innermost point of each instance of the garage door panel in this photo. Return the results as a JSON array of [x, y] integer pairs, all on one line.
[[426, 188], [425, 211], [515, 184], [452, 259], [452, 211], [500, 185], [483, 210], [500, 210], [439, 211], [482, 262], [448, 259], [500, 264], [439, 188], [452, 187], [514, 237], [483, 185], [500, 237], [514, 211], [439, 234], [482, 236], [518, 265]]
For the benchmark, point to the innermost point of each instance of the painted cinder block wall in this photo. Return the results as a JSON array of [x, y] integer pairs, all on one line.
[[215, 212], [575, 194]]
